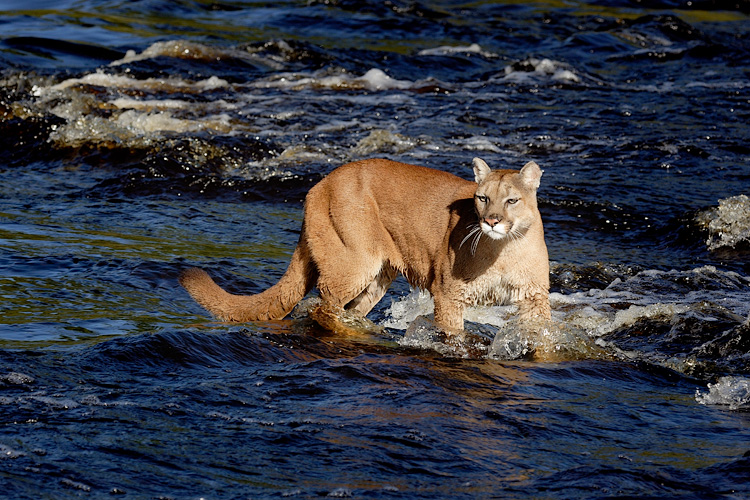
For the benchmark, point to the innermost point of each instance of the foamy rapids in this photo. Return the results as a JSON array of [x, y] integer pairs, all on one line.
[[594, 325]]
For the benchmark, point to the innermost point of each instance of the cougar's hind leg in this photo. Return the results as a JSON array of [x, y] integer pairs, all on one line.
[[345, 286], [370, 296], [349, 255]]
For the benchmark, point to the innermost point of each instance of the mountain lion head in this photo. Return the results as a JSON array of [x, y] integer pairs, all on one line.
[[505, 200]]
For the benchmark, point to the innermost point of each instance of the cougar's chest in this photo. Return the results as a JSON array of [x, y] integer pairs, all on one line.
[[490, 288]]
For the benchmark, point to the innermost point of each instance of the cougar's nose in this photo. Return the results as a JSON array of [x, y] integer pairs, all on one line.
[[492, 222]]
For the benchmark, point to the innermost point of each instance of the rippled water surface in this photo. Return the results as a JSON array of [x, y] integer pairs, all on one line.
[[140, 138]]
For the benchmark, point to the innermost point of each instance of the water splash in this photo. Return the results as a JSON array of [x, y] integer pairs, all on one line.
[[383, 141], [690, 321], [424, 333], [491, 332], [346, 322], [550, 341], [449, 50], [732, 392], [728, 225], [373, 80], [533, 70]]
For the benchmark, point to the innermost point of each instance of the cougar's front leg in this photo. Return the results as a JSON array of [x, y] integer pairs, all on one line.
[[535, 305], [448, 312]]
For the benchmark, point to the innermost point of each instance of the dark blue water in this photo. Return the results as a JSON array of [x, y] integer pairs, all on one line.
[[139, 138]]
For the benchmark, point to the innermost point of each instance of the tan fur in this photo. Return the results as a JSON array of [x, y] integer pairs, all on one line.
[[367, 221]]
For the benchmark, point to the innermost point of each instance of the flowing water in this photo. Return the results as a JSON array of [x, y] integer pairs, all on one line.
[[140, 138]]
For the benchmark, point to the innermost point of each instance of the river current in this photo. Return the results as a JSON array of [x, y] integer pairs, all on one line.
[[140, 138]]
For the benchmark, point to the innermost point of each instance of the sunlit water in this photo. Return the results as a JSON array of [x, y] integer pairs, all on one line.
[[139, 139]]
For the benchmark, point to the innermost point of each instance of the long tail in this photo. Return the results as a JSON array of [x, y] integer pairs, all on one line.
[[274, 303]]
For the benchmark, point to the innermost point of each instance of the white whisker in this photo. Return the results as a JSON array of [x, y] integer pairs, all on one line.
[[475, 243], [518, 233], [476, 232], [469, 234]]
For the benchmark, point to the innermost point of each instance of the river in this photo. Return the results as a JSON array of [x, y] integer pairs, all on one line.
[[141, 138]]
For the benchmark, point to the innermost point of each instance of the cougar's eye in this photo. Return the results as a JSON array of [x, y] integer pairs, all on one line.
[[512, 201], [481, 198]]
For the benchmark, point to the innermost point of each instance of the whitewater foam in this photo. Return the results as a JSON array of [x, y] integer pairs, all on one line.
[[374, 80], [732, 392], [183, 49], [582, 321], [383, 141], [102, 79], [132, 128], [448, 50], [728, 225], [115, 117], [189, 50], [533, 70]]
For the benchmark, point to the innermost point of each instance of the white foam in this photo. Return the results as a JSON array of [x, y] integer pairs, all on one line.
[[132, 122], [373, 80], [406, 309], [728, 224], [16, 378], [733, 392], [447, 50], [542, 69], [146, 123], [183, 49], [581, 319], [383, 141], [418, 302], [132, 127], [150, 104], [102, 79], [480, 143]]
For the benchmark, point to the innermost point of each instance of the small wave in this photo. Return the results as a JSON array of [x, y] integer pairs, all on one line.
[[189, 50], [383, 141], [478, 143], [6, 452], [116, 119], [373, 80], [106, 80], [510, 339], [183, 49], [17, 379], [534, 70], [733, 392], [649, 293], [447, 50], [132, 129], [549, 341], [728, 225]]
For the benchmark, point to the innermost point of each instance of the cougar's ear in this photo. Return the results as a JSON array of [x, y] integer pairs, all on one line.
[[531, 175], [481, 170]]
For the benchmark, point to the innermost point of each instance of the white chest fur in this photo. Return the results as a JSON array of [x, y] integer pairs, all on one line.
[[491, 288]]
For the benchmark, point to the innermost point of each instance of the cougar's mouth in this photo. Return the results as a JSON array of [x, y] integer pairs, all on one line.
[[496, 231]]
